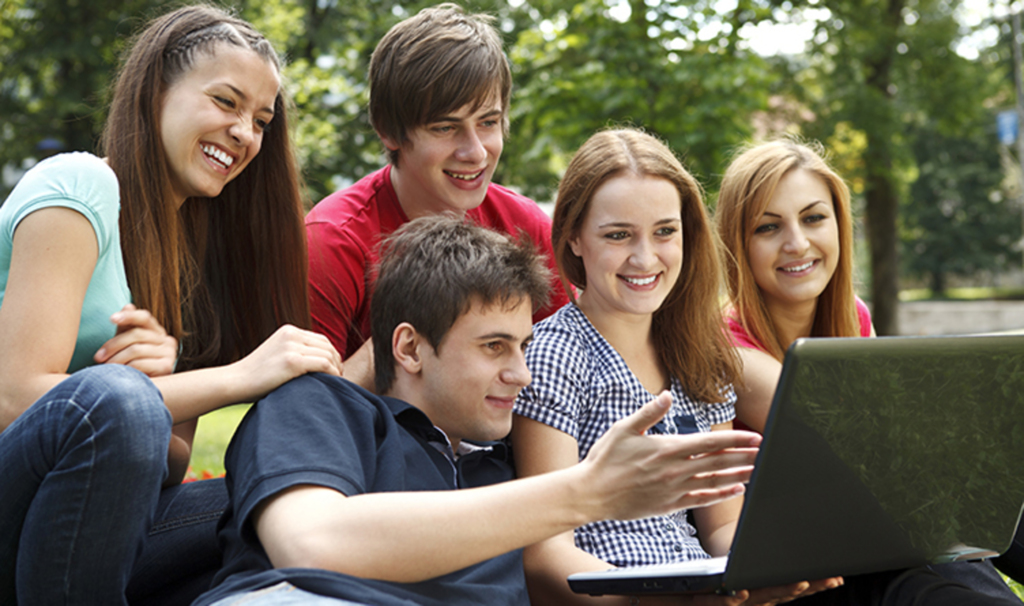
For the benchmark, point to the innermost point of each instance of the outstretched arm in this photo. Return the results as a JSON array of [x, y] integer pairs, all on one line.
[[541, 449], [408, 537]]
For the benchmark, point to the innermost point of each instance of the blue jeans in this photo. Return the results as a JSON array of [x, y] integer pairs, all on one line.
[[282, 594], [81, 471], [180, 555]]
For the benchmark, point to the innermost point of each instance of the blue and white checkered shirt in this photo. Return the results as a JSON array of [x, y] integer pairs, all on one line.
[[581, 386]]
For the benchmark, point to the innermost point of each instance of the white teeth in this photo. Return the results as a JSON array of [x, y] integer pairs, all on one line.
[[798, 267], [218, 155], [464, 177], [640, 281]]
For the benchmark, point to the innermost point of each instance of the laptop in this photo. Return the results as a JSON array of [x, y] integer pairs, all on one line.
[[878, 454]]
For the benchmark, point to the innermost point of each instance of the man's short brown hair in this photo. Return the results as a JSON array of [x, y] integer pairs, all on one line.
[[433, 269], [432, 64]]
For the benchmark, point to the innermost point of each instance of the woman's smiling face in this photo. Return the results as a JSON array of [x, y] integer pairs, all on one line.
[[794, 249], [213, 119], [631, 244]]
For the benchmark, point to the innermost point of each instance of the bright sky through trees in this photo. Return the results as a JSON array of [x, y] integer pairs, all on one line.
[[793, 29]]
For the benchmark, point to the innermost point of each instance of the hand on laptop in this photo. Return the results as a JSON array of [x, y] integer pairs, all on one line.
[[650, 475], [778, 595], [766, 596]]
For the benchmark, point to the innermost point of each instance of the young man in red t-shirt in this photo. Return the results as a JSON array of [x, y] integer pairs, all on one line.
[[439, 99]]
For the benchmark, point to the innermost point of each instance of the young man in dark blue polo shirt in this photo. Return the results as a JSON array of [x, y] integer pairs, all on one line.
[[340, 496]]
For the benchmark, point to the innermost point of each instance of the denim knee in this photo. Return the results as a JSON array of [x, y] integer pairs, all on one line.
[[124, 410]]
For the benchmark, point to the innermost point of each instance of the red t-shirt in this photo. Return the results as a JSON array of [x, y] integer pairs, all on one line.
[[345, 228]]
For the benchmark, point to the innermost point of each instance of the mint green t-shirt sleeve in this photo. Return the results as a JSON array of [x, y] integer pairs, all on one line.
[[83, 183]]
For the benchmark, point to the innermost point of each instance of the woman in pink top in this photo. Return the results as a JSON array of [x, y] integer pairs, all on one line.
[[784, 215], [784, 218]]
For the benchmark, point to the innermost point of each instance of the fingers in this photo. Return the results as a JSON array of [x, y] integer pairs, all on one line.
[[133, 325], [822, 585], [648, 416], [143, 350], [140, 342], [315, 351], [123, 351], [689, 445], [696, 445], [714, 599], [788, 593], [131, 317]]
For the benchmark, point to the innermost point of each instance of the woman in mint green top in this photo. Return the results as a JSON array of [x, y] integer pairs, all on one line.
[[141, 290]]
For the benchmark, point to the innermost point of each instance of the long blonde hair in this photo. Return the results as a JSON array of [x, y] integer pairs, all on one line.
[[747, 187], [688, 331]]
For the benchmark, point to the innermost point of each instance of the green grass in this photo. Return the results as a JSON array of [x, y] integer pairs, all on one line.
[[1016, 587], [212, 437]]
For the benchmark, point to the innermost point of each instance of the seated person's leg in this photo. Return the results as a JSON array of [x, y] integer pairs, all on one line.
[[180, 555], [82, 469], [981, 576], [1011, 563], [282, 594], [913, 587]]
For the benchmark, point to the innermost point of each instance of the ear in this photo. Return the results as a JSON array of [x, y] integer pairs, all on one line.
[[405, 346], [388, 142], [574, 245]]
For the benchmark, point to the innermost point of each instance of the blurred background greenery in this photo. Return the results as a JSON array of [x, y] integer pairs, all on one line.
[[904, 93]]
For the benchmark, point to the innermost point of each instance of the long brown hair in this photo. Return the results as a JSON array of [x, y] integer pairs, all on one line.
[[747, 187], [221, 273], [688, 331]]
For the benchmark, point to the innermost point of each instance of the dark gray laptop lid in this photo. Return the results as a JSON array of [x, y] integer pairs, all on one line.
[[885, 453]]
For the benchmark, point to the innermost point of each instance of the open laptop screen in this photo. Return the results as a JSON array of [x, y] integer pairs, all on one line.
[[893, 452], [879, 454]]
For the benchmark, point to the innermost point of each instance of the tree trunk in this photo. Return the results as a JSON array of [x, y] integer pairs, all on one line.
[[881, 196], [938, 280], [882, 205]]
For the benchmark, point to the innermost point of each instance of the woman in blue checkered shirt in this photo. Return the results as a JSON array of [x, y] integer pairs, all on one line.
[[631, 234]]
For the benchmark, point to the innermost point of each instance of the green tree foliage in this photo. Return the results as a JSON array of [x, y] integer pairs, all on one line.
[[55, 63], [956, 219], [674, 68]]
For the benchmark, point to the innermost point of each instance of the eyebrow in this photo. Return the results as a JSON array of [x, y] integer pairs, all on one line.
[[625, 224], [802, 210], [450, 118], [245, 97], [496, 335], [503, 336]]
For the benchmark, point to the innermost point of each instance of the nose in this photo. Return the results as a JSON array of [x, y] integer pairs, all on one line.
[[242, 131], [471, 148], [642, 255], [517, 373], [796, 243]]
